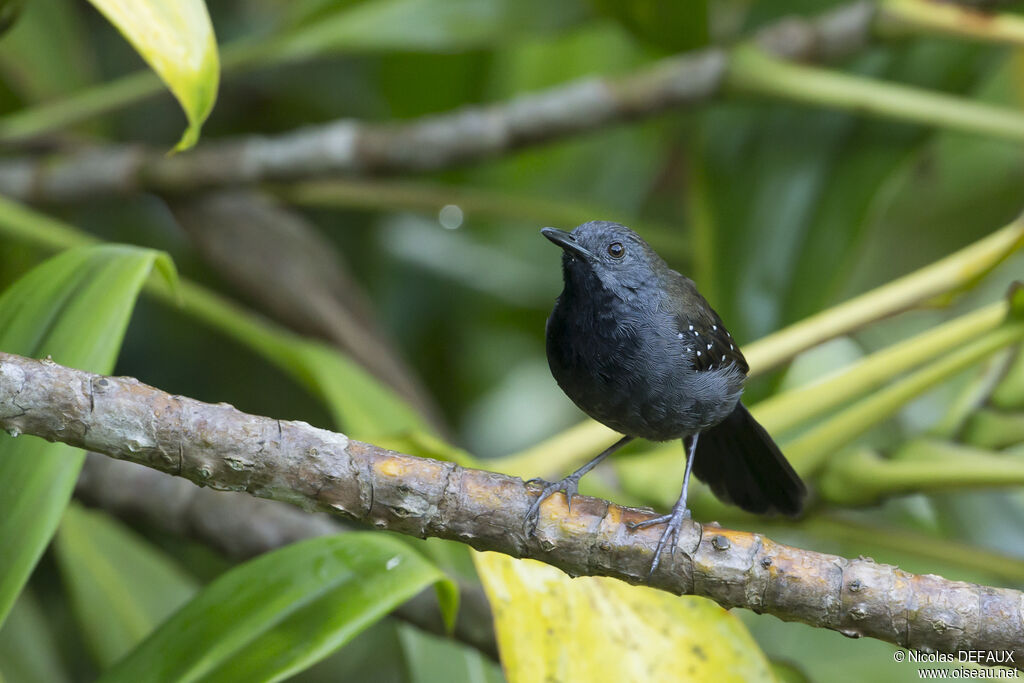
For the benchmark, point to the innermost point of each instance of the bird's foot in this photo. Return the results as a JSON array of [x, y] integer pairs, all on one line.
[[568, 484], [670, 537], [683, 514]]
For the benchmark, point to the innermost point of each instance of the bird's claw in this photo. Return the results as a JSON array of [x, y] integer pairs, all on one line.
[[633, 526], [669, 537], [568, 484]]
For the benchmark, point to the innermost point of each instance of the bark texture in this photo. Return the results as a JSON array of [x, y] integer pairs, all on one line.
[[218, 446]]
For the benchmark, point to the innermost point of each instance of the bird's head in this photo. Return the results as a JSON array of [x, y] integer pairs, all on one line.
[[609, 254]]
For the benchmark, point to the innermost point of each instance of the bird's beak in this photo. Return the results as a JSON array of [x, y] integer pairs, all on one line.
[[566, 241]]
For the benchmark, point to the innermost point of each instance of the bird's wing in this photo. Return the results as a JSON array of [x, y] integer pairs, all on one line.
[[702, 331]]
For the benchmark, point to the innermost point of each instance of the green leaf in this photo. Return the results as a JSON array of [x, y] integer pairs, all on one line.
[[360, 405], [441, 26], [121, 587], [176, 39], [280, 613], [75, 308]]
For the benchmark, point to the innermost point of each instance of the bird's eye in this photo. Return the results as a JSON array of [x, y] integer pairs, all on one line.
[[616, 250]]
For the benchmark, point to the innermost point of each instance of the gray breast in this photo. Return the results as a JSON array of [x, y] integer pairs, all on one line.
[[638, 379]]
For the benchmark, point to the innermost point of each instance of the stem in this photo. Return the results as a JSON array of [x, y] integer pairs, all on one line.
[[104, 98], [313, 365], [988, 428], [1009, 394], [957, 271], [31, 227], [902, 542], [752, 71], [24, 225], [81, 106], [785, 411], [808, 452], [920, 466], [928, 17]]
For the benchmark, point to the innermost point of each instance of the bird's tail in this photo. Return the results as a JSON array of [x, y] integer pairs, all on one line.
[[743, 466]]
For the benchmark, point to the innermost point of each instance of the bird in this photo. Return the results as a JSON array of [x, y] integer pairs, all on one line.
[[636, 347]]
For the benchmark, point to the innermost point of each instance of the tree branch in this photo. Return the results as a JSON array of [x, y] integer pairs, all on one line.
[[223, 448], [433, 142]]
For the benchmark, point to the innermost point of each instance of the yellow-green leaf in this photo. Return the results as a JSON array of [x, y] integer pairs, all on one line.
[[176, 39], [554, 628]]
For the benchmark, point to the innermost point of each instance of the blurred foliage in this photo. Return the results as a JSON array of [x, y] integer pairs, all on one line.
[[660, 23], [109, 574], [779, 210], [278, 614]]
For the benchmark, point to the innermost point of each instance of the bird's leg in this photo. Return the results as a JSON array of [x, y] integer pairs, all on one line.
[[568, 484], [675, 519]]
